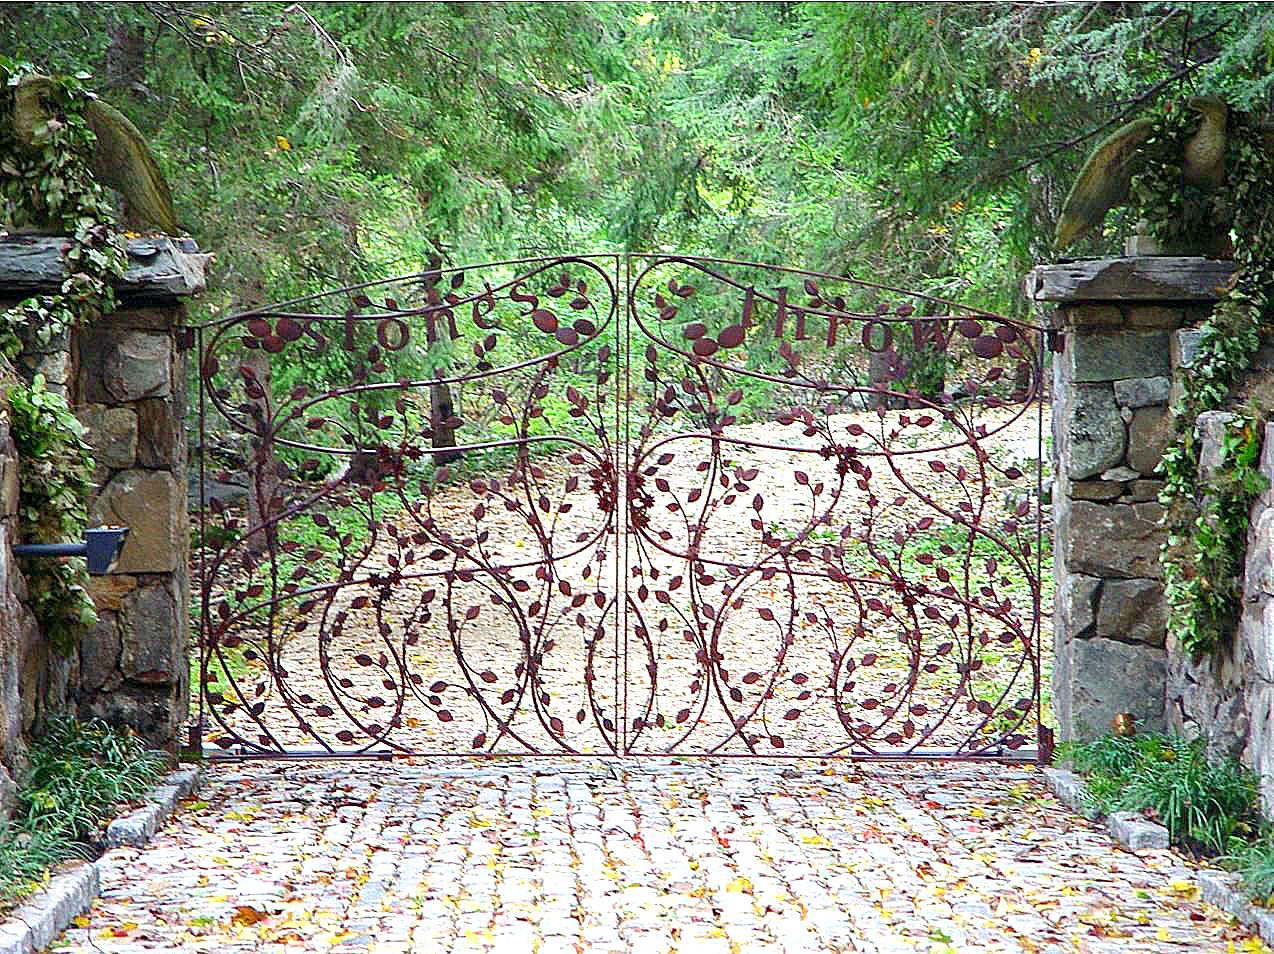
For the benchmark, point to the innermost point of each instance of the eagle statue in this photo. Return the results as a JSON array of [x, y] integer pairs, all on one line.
[[121, 158], [1104, 181]]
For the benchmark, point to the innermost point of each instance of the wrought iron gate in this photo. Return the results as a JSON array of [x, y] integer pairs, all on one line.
[[645, 504]]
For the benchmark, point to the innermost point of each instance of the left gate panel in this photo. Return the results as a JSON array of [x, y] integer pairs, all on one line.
[[407, 533]]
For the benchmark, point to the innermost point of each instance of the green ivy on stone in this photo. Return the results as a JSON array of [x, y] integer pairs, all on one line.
[[56, 481], [1207, 517], [51, 187]]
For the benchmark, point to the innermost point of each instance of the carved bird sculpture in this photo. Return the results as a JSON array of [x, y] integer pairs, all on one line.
[[1104, 181], [121, 159]]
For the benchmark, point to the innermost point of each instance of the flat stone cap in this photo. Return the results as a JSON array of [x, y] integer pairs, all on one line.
[[1144, 278], [158, 268]]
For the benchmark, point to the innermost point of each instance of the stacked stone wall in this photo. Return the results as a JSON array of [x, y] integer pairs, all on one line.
[[125, 377], [17, 625], [131, 397], [1249, 709], [1228, 696], [43, 680], [1130, 330]]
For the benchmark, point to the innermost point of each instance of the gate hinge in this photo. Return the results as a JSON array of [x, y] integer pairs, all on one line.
[[185, 339], [1056, 341], [193, 749]]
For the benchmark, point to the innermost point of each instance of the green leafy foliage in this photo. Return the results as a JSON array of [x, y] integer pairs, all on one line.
[[78, 776], [1207, 516], [55, 480], [966, 122], [921, 144], [1207, 806], [1203, 557], [52, 187], [1255, 864], [926, 145]]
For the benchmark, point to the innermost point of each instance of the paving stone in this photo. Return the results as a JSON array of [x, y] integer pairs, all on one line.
[[766, 857]]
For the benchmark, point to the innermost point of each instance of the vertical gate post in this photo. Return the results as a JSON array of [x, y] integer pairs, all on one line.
[[125, 377], [130, 392], [1123, 323]]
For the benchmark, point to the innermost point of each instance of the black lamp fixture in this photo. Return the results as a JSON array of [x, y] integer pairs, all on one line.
[[101, 548]]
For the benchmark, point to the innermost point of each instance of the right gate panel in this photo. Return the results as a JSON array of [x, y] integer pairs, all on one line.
[[833, 541]]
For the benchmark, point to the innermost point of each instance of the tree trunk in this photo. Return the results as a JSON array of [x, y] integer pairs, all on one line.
[[263, 475], [125, 56], [444, 435]]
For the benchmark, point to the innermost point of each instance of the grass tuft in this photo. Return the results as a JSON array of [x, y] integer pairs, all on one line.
[[78, 774], [1208, 807], [1255, 864]]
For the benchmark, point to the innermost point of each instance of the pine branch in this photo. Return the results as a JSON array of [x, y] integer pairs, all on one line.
[[1132, 104]]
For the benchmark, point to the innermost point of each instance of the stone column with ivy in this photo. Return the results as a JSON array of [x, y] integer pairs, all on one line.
[[17, 624], [1119, 324], [124, 376]]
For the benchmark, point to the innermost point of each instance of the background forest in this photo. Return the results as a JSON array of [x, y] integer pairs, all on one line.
[[926, 145]]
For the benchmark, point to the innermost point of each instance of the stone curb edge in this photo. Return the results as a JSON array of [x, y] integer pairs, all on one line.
[[1218, 888], [139, 826], [1225, 890], [36, 923], [1128, 828]]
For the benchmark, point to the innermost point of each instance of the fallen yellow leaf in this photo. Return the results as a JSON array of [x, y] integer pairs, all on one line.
[[245, 914], [1184, 889]]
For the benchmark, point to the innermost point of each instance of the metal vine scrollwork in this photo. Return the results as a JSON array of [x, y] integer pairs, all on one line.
[[605, 505]]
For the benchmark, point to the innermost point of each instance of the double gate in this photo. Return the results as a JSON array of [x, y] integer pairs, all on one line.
[[620, 505]]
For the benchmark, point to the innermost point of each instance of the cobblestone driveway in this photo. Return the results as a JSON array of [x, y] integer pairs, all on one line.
[[546, 856]]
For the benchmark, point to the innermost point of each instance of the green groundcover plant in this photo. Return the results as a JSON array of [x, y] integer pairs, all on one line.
[[1211, 807], [1255, 862], [78, 774]]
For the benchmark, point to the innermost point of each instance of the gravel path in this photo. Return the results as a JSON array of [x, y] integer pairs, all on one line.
[[553, 857]]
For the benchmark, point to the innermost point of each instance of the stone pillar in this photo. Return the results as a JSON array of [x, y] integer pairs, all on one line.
[[126, 379], [17, 625], [1118, 321]]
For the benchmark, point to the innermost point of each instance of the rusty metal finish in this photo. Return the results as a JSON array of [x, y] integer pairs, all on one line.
[[621, 506]]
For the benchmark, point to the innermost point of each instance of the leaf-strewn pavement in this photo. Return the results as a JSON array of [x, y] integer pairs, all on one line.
[[545, 855]]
